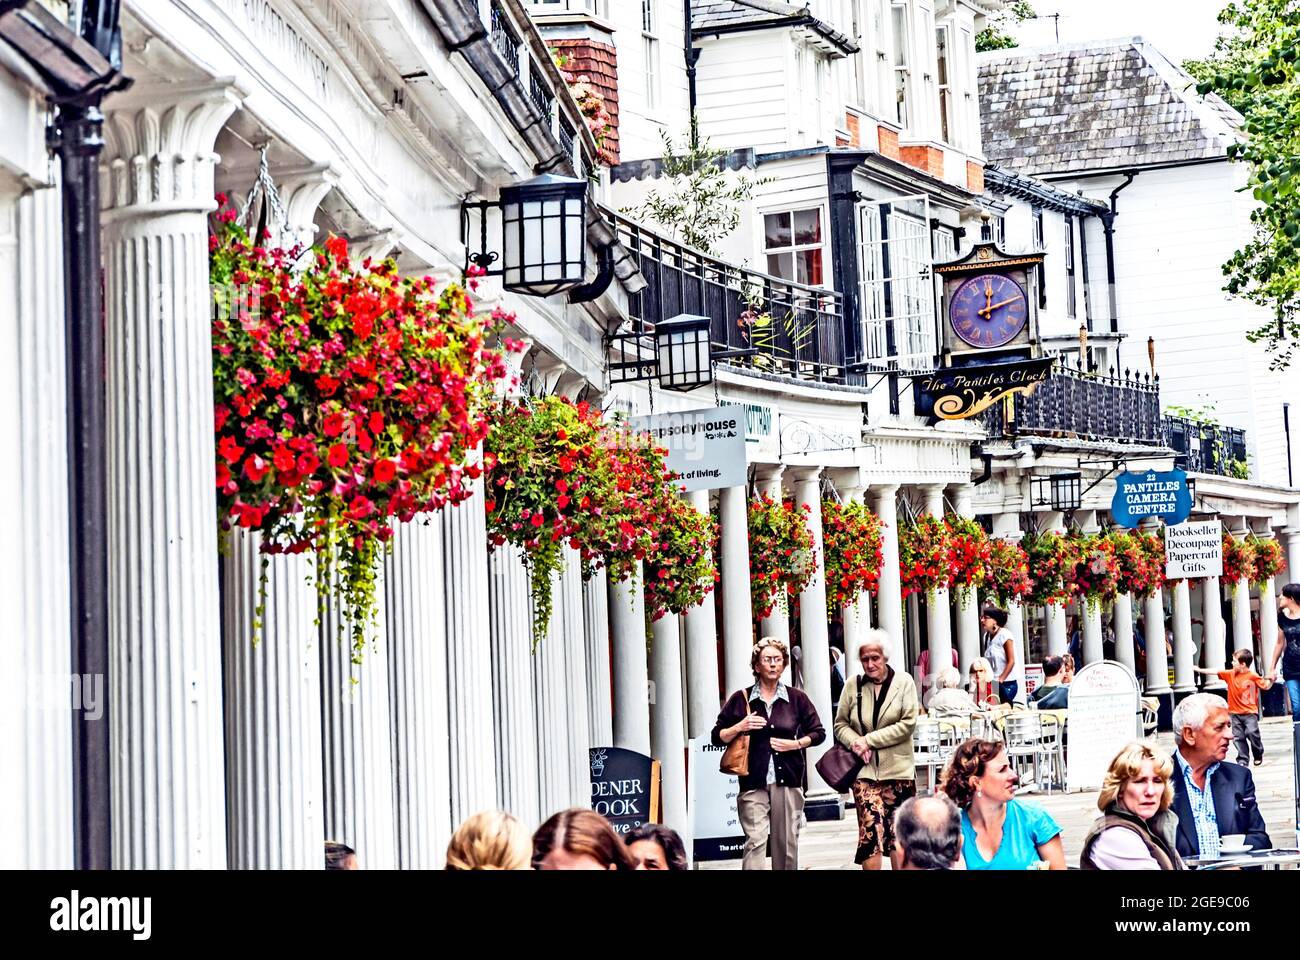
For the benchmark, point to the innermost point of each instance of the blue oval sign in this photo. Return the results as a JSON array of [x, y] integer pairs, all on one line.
[[1163, 495]]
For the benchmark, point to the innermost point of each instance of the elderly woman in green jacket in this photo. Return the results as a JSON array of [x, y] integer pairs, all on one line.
[[876, 717]]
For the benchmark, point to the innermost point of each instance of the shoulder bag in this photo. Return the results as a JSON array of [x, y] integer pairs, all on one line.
[[735, 759], [839, 766]]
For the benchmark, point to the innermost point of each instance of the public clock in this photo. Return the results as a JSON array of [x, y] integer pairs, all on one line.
[[988, 310]]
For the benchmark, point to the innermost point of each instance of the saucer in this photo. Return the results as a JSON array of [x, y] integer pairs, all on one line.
[[1225, 850]]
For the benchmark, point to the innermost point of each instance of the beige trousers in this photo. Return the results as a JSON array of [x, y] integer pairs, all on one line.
[[776, 810]]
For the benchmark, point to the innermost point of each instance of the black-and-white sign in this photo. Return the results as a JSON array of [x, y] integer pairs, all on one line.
[[715, 824], [1103, 718], [624, 787], [1194, 549], [706, 448]]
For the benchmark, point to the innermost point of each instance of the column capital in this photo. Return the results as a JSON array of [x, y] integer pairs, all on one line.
[[804, 474], [158, 147], [769, 473], [375, 245]]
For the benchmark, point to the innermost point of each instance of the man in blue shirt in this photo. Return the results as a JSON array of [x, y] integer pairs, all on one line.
[[1212, 798]]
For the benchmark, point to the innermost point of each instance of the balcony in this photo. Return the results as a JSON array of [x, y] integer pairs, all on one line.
[[504, 38], [1084, 406], [1206, 447], [785, 328]]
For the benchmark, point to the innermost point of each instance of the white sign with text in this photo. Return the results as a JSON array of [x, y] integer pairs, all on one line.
[[706, 448], [1103, 717], [715, 824], [1194, 549]]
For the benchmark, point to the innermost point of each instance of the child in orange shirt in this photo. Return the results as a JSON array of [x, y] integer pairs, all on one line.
[[1244, 685]]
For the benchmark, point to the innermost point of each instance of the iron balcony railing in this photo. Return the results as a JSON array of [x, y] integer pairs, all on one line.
[[504, 37], [541, 95], [1071, 403], [782, 327], [567, 135], [1206, 447]]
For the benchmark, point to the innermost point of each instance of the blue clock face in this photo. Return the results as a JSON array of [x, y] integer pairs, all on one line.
[[988, 310]]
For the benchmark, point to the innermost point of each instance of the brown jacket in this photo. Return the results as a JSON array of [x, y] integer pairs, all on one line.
[[891, 735], [1162, 849]]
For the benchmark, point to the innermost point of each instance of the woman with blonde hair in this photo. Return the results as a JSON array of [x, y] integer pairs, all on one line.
[[982, 688], [1137, 829], [493, 840]]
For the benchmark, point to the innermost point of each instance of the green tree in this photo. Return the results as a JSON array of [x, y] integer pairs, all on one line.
[[697, 201], [1256, 69], [997, 35]]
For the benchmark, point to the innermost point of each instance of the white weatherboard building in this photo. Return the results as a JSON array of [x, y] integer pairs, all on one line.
[[378, 120]]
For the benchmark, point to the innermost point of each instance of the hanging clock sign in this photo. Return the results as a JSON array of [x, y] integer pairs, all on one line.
[[990, 305]]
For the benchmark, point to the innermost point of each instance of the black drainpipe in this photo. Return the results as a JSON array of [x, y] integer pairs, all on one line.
[[1108, 226], [692, 56]]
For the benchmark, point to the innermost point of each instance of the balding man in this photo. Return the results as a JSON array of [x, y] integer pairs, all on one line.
[[1212, 799], [928, 832]]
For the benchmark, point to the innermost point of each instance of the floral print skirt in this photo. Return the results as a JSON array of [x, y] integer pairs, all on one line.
[[876, 801]]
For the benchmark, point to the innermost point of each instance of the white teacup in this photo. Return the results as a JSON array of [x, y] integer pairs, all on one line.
[[1232, 840]]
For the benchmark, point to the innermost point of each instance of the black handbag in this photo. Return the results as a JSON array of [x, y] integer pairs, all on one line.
[[839, 766]]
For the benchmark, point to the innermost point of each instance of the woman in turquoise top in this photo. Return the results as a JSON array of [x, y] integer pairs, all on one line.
[[998, 832]]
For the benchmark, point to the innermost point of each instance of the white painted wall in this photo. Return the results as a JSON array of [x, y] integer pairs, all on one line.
[[744, 90]]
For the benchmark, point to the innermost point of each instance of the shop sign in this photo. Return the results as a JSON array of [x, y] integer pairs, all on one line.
[[1163, 495], [958, 393], [706, 448]]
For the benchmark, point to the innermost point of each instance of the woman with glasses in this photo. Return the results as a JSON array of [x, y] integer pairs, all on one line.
[[782, 723], [876, 717]]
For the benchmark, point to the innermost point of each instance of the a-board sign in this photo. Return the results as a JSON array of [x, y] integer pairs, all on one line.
[[715, 824], [706, 448], [1194, 549], [624, 787], [1103, 717]]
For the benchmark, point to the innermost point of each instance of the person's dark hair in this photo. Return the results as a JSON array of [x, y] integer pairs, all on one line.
[[1052, 666], [1245, 656], [968, 763], [1291, 591], [336, 855], [928, 845], [996, 614], [581, 831], [668, 840]]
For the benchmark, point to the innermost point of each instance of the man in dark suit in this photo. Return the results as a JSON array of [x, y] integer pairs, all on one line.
[[1212, 798]]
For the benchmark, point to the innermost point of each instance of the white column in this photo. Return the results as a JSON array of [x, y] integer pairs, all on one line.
[[856, 616], [1291, 543], [416, 617], [889, 595], [737, 605], [600, 707], [1184, 645], [1267, 625], [356, 714], [578, 741], [631, 672], [469, 657], [776, 625], [1216, 657], [168, 807], [38, 696], [560, 697], [667, 725], [1007, 527], [1122, 612], [701, 628], [1157, 661], [938, 614], [515, 720], [274, 791], [1242, 635], [813, 632], [968, 613], [1058, 640]]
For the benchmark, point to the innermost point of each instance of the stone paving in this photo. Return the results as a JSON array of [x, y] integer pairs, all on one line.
[[829, 845]]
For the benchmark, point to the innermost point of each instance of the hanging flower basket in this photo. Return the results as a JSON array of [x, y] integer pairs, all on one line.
[[1006, 576], [1238, 560], [1140, 558], [782, 554], [1052, 559], [968, 554], [924, 565], [1267, 558], [851, 537], [1095, 570], [680, 572], [347, 397]]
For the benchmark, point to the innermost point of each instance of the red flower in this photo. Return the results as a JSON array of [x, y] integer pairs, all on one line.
[[229, 449], [255, 468], [537, 520], [337, 247], [307, 463], [376, 422], [384, 471], [562, 502], [284, 459], [338, 455], [333, 425], [362, 326], [359, 508], [223, 474]]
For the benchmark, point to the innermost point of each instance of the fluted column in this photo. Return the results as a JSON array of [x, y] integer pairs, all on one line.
[[737, 604], [776, 625], [600, 708], [1122, 612], [356, 714], [515, 726], [1242, 634], [416, 618], [168, 797], [701, 628], [813, 632], [39, 697], [469, 657], [1267, 624], [968, 613], [938, 615], [1058, 639], [1007, 527], [1157, 680], [578, 741], [1184, 645], [889, 595], [630, 669], [274, 790], [667, 725], [1291, 543], [1216, 657], [856, 616]]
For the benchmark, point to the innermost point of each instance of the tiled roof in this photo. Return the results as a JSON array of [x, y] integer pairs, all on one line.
[[1103, 105], [732, 15]]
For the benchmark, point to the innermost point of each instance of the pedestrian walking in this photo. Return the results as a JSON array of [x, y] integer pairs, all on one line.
[[492, 840], [876, 718], [1137, 830], [1287, 647], [1244, 685], [1000, 652], [579, 839], [781, 724]]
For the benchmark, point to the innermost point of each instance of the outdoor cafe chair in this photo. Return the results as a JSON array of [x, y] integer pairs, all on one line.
[[1051, 748], [927, 746], [1022, 734]]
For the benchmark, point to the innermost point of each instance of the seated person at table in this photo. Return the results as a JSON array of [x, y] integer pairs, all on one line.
[[1052, 694], [948, 698]]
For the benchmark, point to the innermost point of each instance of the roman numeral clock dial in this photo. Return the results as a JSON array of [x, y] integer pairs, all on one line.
[[988, 310]]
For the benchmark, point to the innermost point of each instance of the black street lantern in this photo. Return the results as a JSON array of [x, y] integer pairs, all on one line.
[[684, 352], [544, 235], [1060, 491]]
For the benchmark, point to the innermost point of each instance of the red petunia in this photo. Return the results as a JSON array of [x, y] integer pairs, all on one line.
[[307, 463], [229, 449], [255, 468], [337, 247], [333, 425], [284, 459], [338, 455], [384, 471]]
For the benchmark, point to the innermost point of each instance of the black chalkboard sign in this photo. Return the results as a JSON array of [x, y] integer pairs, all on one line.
[[624, 787]]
